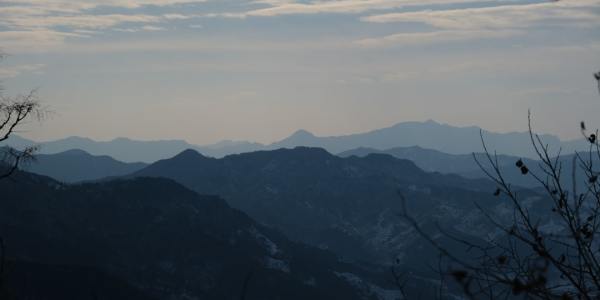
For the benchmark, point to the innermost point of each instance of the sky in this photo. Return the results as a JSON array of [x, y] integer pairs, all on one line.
[[212, 70]]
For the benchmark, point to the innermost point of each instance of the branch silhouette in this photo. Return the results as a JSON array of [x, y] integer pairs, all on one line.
[[528, 260]]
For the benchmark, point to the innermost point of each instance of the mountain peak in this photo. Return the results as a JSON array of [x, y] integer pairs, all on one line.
[[74, 152], [302, 134], [429, 122], [189, 154], [298, 138], [77, 139]]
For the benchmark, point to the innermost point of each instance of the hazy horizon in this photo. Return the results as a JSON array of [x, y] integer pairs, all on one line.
[[206, 71], [26, 136]]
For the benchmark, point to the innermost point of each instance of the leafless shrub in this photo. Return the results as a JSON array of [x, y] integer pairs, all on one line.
[[528, 260], [15, 112]]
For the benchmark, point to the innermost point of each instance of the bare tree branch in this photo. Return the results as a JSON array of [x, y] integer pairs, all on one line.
[[14, 112], [541, 264]]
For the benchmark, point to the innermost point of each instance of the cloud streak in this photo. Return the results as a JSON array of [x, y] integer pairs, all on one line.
[[78, 21], [487, 22], [280, 8], [39, 24], [420, 38], [499, 17], [36, 25]]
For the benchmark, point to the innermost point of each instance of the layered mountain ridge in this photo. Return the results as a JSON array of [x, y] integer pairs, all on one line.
[[429, 134], [348, 205]]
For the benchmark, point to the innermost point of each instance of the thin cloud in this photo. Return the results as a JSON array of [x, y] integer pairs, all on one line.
[[78, 22], [61, 20], [152, 28], [499, 17], [37, 25], [35, 40], [140, 29], [48, 13], [279, 8], [487, 22], [420, 38], [78, 6]]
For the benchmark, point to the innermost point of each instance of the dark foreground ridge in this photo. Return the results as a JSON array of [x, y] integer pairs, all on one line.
[[153, 238]]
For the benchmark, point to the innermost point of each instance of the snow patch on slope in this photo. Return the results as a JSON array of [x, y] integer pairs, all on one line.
[[369, 289]]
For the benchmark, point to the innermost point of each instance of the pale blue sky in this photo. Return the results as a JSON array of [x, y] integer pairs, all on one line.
[[209, 70]]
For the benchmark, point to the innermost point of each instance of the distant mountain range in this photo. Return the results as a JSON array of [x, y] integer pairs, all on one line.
[[125, 239], [432, 160], [461, 164], [78, 165], [289, 220], [430, 135], [465, 164], [122, 149], [122, 231]]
